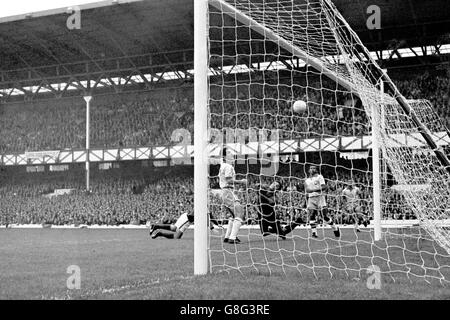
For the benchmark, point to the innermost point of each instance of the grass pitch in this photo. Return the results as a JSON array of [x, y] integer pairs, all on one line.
[[127, 264]]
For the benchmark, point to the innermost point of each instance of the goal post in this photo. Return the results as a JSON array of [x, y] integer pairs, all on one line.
[[252, 61], [376, 167], [200, 137]]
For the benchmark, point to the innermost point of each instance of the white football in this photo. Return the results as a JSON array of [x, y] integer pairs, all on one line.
[[299, 106]]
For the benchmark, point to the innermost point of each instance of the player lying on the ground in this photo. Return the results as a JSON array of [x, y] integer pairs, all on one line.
[[268, 222], [350, 204], [315, 188], [172, 230], [175, 230], [229, 199]]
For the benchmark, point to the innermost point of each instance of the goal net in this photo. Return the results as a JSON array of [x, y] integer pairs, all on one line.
[[264, 55]]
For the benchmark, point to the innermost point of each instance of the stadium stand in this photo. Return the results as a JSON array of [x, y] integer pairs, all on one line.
[[148, 119], [116, 198], [144, 119], [132, 119]]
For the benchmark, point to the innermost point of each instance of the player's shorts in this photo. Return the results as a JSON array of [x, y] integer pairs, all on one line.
[[182, 223], [316, 203], [226, 197]]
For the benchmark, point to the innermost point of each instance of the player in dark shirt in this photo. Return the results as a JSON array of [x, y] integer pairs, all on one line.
[[267, 218], [177, 229]]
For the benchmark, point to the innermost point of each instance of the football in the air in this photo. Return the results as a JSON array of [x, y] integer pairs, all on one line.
[[299, 106]]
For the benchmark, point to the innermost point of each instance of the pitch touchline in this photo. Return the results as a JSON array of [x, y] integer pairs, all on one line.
[[115, 289], [135, 285]]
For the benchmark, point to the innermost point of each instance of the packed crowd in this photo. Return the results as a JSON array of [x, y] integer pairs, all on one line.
[[435, 88], [150, 118], [126, 120], [112, 201], [129, 199]]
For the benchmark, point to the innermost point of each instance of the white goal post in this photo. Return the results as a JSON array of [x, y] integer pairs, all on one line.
[[201, 61]]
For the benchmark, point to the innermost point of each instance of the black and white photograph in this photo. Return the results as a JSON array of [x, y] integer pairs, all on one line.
[[223, 156]]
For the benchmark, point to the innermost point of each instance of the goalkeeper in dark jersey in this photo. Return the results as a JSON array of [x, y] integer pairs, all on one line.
[[267, 218]]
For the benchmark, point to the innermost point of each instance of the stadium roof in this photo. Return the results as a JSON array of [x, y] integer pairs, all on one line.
[[154, 36], [108, 30]]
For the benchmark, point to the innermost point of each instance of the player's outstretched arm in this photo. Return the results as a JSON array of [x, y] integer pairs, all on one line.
[[240, 181], [237, 181]]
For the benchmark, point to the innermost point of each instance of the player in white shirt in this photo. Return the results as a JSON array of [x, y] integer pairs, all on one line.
[[227, 182], [315, 188], [350, 202]]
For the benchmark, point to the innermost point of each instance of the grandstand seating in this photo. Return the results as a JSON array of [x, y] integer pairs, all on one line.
[[127, 120], [116, 198]]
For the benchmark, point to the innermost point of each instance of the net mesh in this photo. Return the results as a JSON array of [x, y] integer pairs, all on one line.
[[264, 56]]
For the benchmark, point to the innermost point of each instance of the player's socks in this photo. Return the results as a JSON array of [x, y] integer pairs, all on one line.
[[154, 234], [162, 233], [337, 231], [229, 228], [314, 229], [235, 230]]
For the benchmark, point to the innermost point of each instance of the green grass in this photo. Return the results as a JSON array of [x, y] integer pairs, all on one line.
[[127, 264]]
